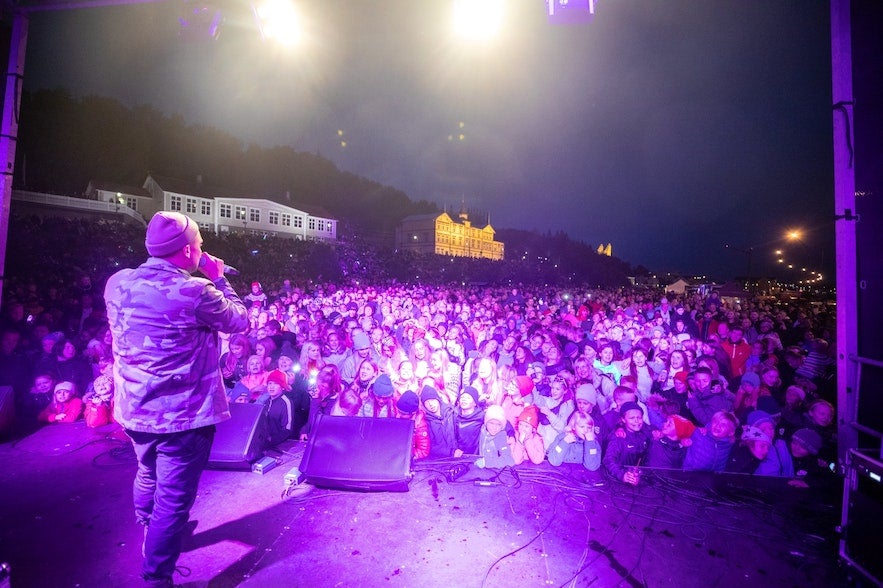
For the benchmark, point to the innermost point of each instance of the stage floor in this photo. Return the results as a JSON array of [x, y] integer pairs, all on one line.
[[66, 520]]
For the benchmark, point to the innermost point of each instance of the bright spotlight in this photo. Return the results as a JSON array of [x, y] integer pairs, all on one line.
[[478, 20], [278, 21]]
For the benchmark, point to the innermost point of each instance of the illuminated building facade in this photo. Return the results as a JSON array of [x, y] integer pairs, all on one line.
[[442, 235]]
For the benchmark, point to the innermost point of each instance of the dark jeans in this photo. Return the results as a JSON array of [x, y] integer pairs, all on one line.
[[169, 468]]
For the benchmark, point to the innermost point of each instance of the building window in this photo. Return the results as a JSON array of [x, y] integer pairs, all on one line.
[[286, 219], [311, 224], [225, 210], [321, 225], [175, 203], [254, 215], [273, 217], [191, 206], [298, 222], [206, 208], [330, 227], [240, 213]]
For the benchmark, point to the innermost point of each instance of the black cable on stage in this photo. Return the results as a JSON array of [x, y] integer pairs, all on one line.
[[534, 538], [604, 548]]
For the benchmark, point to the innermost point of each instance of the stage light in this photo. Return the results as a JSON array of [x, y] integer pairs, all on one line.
[[478, 20], [278, 21]]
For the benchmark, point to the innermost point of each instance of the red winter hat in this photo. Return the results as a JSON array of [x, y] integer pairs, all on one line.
[[531, 415], [683, 428], [682, 376], [278, 377], [525, 385]]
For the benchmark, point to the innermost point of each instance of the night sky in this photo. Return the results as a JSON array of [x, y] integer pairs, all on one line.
[[667, 128]]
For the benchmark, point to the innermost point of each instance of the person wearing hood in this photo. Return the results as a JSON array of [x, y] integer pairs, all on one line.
[[440, 420], [468, 422], [528, 444], [578, 443]]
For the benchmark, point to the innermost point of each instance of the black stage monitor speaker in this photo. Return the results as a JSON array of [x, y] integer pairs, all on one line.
[[358, 453], [241, 440], [861, 544]]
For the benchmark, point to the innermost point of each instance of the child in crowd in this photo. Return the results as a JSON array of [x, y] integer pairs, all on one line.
[[613, 417], [578, 443], [708, 397], [625, 453], [38, 397], [746, 396], [380, 403], [98, 402], [257, 298], [554, 409], [820, 418], [586, 400], [265, 348], [280, 411], [669, 447], [527, 443], [440, 420], [408, 406], [777, 461], [493, 442], [252, 384], [348, 403], [468, 422], [792, 413], [750, 452], [678, 393], [710, 447], [65, 407], [365, 376], [286, 365], [519, 393], [233, 363], [805, 446]]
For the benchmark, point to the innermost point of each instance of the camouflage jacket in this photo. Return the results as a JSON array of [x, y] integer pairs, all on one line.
[[165, 326]]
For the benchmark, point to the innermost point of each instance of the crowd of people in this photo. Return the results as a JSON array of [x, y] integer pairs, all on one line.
[[613, 379]]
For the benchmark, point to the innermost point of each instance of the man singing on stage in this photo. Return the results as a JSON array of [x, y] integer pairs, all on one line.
[[169, 394]]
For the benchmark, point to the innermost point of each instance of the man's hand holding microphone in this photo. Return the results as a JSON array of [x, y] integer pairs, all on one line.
[[213, 267]]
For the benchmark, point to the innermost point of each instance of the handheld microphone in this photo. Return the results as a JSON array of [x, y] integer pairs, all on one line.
[[228, 269]]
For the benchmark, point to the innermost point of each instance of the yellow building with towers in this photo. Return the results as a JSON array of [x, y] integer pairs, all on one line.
[[442, 235]]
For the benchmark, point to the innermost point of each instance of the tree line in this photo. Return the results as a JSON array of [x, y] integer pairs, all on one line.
[[65, 141]]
